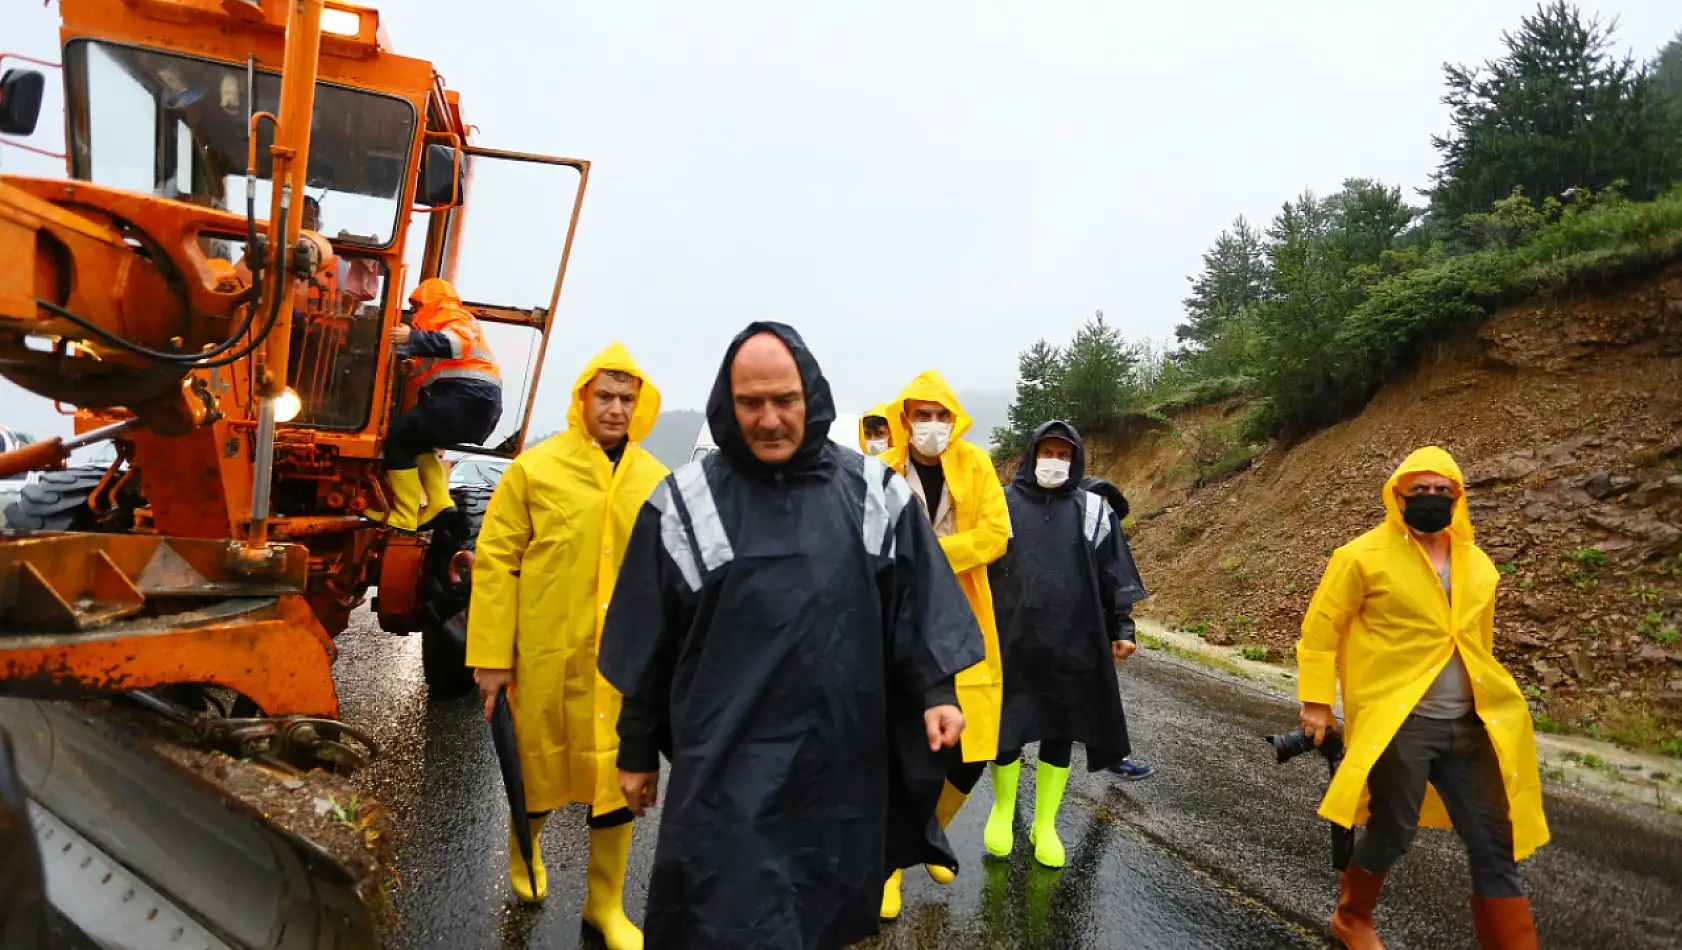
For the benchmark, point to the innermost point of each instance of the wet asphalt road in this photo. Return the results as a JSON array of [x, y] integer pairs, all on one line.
[[1220, 849]]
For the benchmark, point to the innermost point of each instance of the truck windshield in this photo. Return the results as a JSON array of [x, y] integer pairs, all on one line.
[[175, 126]]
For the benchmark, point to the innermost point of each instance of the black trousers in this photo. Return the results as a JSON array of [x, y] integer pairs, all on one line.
[[448, 412], [1455, 756], [1057, 752], [964, 775]]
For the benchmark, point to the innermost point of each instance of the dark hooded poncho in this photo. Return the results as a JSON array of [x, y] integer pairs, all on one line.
[[777, 632], [1063, 591]]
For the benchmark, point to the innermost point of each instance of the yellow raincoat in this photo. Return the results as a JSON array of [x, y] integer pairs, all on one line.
[[894, 434], [983, 530], [1380, 619], [548, 555]]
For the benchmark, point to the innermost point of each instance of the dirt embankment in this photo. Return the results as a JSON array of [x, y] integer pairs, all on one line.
[[1566, 416]]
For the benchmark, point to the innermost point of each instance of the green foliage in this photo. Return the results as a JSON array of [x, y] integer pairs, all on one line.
[[1546, 723], [1666, 73], [1255, 654], [1589, 557], [1672, 747], [1653, 627], [1234, 277], [1644, 593], [1557, 112], [1093, 381], [1553, 177], [1097, 375], [1510, 567]]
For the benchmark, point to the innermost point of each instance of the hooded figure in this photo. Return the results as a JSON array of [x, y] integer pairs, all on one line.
[[785, 632], [958, 490], [1404, 617], [1063, 593], [876, 431], [460, 403], [547, 560]]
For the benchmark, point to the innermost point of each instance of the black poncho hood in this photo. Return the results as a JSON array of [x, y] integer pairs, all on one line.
[[1056, 428], [820, 405]]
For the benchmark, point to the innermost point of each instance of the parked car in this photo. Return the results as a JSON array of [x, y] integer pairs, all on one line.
[[482, 472]]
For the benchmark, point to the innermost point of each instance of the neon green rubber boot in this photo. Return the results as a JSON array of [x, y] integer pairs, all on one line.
[[1048, 797], [999, 834]]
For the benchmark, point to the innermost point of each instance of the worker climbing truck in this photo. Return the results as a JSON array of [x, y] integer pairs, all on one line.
[[253, 189]]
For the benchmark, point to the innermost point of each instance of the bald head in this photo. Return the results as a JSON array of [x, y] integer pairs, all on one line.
[[770, 401]]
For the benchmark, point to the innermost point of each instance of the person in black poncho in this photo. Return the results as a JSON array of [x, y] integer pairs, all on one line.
[[785, 629], [1063, 595]]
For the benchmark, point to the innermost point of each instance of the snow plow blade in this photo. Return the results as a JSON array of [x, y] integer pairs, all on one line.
[[147, 843]]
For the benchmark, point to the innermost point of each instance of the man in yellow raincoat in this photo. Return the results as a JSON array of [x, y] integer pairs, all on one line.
[[960, 492], [548, 555], [876, 434], [1437, 729]]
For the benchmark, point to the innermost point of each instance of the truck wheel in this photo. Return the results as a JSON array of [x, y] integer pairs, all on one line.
[[443, 614], [57, 501]]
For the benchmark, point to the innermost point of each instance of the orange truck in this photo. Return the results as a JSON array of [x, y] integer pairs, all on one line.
[[165, 291]]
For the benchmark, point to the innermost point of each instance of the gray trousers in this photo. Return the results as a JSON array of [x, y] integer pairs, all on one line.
[[1456, 757]]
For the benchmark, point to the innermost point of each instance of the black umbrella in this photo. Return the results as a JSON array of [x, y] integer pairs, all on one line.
[[508, 756]]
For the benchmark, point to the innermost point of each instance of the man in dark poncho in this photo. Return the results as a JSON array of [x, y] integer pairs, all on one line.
[[1063, 593], [786, 630]]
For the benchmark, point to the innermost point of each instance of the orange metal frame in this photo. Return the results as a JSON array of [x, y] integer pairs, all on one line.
[[92, 620]]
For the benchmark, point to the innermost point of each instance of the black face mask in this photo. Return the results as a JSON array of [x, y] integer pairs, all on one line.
[[1428, 514]]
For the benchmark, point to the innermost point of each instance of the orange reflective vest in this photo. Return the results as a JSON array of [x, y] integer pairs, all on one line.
[[440, 311]]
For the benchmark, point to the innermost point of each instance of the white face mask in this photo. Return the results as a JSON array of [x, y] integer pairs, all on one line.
[[931, 438], [1051, 473], [875, 446]]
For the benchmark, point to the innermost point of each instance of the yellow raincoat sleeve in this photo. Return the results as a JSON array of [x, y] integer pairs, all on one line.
[[984, 543], [1338, 599], [492, 618]]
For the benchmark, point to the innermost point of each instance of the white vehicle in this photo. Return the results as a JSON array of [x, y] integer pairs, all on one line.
[[843, 431]]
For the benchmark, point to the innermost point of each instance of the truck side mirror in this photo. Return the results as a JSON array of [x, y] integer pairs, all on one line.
[[20, 101], [441, 178]]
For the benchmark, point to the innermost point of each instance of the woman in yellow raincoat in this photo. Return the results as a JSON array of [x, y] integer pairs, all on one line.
[[1405, 616], [548, 555], [961, 493]]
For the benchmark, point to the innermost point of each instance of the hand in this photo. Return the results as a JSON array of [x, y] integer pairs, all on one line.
[[1122, 649], [400, 334], [642, 790], [1317, 720], [409, 367], [943, 724], [492, 682]]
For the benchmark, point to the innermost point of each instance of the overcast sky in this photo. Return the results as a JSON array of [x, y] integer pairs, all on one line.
[[930, 184]]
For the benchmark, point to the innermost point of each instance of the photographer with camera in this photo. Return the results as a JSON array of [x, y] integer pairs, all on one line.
[[1438, 733]]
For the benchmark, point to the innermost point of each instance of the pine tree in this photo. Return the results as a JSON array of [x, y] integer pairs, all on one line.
[[1234, 276], [1557, 112], [1097, 375]]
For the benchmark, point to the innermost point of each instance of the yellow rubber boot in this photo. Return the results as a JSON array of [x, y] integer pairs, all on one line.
[[437, 486], [1000, 834], [604, 897], [1049, 783], [405, 501], [890, 897], [950, 801], [517, 874]]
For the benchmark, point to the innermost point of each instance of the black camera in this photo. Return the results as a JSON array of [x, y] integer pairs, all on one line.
[[1289, 745]]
